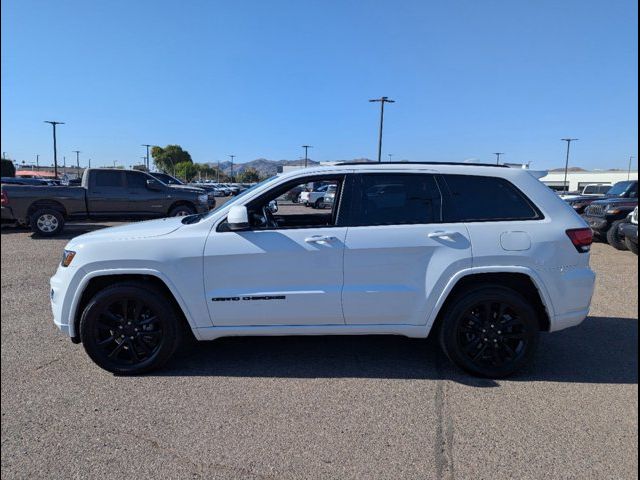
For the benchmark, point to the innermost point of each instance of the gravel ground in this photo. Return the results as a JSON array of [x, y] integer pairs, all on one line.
[[320, 407]]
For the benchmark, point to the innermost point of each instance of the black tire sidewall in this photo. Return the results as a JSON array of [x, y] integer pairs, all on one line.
[[462, 303], [182, 208], [632, 247], [33, 222], [613, 236], [162, 308]]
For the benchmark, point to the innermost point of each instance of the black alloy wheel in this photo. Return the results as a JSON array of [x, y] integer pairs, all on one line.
[[129, 329], [490, 332]]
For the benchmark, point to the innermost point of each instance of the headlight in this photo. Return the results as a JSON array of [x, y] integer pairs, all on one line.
[[67, 257], [203, 198]]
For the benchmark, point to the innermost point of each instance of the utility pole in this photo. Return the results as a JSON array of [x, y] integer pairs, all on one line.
[[497, 154], [390, 155], [146, 145], [55, 147], [306, 157], [37, 163], [232, 157], [77, 152], [566, 164], [382, 101], [218, 173], [629, 170], [89, 163]]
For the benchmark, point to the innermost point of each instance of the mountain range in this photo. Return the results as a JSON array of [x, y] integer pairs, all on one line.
[[268, 168]]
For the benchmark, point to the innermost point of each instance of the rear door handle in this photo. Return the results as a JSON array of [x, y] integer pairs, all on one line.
[[441, 234], [319, 239]]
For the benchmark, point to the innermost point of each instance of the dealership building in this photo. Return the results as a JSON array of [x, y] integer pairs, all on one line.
[[577, 180]]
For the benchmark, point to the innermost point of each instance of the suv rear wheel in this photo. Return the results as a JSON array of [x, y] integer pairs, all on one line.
[[491, 331], [130, 328]]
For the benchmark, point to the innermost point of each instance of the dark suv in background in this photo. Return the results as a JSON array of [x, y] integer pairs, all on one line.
[[606, 215]]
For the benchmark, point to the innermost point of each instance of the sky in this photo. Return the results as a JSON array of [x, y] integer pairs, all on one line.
[[258, 79]]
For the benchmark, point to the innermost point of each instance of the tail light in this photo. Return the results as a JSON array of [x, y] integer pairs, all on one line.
[[582, 238], [5, 199]]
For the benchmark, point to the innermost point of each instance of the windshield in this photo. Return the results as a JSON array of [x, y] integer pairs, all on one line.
[[619, 188], [239, 196]]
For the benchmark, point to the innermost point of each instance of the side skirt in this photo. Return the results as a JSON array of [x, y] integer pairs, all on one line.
[[211, 333]]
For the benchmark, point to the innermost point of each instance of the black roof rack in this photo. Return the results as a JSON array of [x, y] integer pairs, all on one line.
[[424, 163]]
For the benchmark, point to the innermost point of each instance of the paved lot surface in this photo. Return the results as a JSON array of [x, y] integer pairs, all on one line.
[[326, 407]]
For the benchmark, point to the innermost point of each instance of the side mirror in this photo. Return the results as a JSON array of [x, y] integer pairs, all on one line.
[[238, 218], [153, 185], [273, 206]]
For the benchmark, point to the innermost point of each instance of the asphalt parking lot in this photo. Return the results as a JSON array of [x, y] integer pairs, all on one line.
[[321, 407]]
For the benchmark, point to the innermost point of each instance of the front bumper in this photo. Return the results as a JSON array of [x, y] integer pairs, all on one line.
[[597, 224], [630, 231], [202, 207]]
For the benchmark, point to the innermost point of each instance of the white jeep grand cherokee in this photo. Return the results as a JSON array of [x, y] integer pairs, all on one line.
[[484, 257]]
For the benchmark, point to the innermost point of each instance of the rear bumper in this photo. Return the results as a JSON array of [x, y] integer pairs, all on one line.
[[572, 298], [597, 224], [7, 215]]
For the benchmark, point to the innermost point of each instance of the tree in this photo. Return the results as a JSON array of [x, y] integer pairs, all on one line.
[[8, 169], [169, 157], [249, 175], [186, 170]]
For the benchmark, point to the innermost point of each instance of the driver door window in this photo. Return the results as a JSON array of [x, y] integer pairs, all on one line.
[[309, 204]]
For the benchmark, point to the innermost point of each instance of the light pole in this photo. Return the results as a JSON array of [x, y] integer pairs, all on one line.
[[146, 145], [390, 155], [629, 170], [89, 163], [566, 164], [77, 152], [55, 147], [37, 163], [306, 157], [218, 173], [497, 154], [232, 157], [382, 101]]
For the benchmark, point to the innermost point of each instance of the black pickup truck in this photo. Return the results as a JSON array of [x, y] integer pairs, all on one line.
[[107, 194]]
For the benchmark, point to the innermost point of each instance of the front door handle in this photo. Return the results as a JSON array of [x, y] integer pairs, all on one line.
[[319, 239], [442, 234]]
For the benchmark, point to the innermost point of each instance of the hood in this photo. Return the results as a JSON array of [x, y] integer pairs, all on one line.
[[617, 201], [149, 228], [582, 198], [187, 188]]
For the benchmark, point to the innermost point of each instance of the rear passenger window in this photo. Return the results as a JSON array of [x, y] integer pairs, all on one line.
[[108, 179], [478, 199], [396, 199], [136, 180]]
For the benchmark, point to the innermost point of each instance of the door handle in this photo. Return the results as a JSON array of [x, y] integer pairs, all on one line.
[[441, 234], [319, 239]]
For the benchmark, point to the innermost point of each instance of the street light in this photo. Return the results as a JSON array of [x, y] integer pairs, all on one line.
[[566, 164], [629, 171], [55, 147], [232, 157], [497, 154], [146, 145], [77, 152], [306, 157], [390, 155], [37, 163], [382, 101]]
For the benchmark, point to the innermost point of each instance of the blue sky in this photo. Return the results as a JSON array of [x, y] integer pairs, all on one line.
[[260, 78]]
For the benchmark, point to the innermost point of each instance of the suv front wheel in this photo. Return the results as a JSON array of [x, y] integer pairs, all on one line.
[[130, 328], [491, 331]]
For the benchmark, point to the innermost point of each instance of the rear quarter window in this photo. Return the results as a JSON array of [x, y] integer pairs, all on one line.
[[483, 199]]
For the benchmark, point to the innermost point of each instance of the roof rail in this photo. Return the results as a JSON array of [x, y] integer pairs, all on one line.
[[425, 163]]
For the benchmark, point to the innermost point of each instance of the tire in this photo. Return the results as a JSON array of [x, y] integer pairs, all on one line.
[[318, 203], [46, 222], [511, 339], [633, 247], [130, 328], [182, 211], [613, 236]]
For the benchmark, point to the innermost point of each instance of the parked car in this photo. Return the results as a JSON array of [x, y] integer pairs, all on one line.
[[484, 257], [591, 190], [104, 194], [175, 183], [293, 195], [619, 190], [605, 216], [629, 231], [315, 198]]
